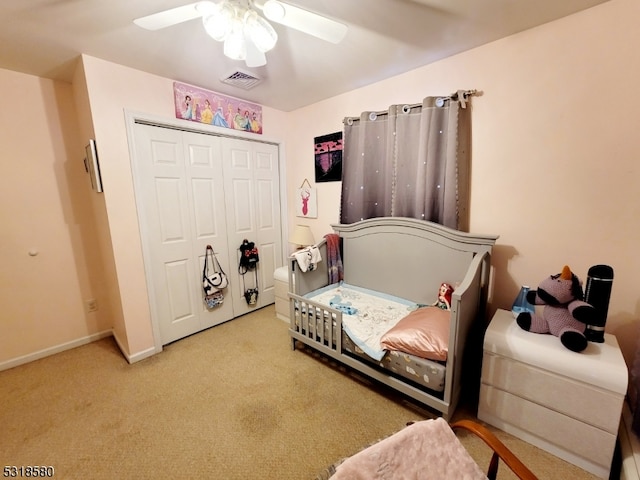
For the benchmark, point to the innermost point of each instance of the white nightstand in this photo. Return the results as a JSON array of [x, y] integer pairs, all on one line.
[[566, 403], [281, 282]]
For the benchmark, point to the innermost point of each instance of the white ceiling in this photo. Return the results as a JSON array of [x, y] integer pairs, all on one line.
[[385, 38]]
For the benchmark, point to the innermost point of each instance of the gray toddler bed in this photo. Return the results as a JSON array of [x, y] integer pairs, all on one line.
[[405, 258]]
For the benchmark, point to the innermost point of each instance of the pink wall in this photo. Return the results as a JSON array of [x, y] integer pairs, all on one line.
[[44, 210], [554, 174], [555, 150]]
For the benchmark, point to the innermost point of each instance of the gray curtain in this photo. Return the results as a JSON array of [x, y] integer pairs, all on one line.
[[410, 161]]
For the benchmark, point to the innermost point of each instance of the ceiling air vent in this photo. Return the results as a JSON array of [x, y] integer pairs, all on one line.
[[242, 80]]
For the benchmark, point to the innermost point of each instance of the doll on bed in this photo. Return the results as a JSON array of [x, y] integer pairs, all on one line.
[[444, 297]]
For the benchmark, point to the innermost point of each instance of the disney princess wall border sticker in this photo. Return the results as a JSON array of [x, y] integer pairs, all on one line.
[[306, 201], [204, 106]]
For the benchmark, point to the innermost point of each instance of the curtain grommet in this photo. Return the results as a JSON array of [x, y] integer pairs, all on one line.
[[406, 109], [439, 102], [373, 116], [349, 121]]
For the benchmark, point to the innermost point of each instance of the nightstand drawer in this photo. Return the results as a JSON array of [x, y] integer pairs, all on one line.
[[282, 308], [548, 429], [564, 402], [584, 402], [282, 290]]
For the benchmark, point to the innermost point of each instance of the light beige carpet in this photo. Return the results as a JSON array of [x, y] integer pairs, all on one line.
[[232, 402]]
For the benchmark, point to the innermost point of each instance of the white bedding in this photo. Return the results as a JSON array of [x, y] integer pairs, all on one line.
[[366, 314]]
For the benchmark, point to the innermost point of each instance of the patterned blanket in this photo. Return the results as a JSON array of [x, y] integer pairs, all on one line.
[[366, 314]]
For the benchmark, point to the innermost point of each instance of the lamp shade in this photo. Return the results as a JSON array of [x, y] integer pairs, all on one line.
[[302, 236]]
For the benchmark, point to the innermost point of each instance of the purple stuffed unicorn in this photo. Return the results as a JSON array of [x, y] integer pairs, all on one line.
[[565, 314]]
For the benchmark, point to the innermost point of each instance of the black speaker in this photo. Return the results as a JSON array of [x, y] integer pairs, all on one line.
[[597, 294]]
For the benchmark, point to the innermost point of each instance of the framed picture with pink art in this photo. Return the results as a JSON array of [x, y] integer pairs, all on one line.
[[306, 201], [328, 157]]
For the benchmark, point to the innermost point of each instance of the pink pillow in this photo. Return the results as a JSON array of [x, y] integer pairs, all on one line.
[[423, 333]]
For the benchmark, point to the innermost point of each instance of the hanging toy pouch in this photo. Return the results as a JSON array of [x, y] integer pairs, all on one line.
[[249, 261], [251, 294]]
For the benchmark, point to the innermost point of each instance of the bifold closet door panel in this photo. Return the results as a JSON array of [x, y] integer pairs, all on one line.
[[208, 215], [252, 193], [179, 191]]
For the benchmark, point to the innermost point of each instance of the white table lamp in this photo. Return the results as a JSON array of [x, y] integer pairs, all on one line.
[[302, 236]]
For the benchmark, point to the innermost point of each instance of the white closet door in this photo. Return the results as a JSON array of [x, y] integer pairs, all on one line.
[[181, 203], [207, 202], [253, 212]]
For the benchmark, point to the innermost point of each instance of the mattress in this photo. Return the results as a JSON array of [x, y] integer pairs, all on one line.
[[423, 372], [420, 371], [366, 314]]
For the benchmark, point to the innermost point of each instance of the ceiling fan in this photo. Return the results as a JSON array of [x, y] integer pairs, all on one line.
[[247, 35]]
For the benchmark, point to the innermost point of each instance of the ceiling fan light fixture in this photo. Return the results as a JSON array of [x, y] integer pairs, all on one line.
[[261, 33], [219, 22], [234, 45], [255, 57], [258, 36], [205, 8], [274, 10]]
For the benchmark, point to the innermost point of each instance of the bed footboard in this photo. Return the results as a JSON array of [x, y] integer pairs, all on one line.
[[316, 325]]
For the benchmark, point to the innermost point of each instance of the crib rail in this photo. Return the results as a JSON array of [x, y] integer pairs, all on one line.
[[316, 325], [310, 324]]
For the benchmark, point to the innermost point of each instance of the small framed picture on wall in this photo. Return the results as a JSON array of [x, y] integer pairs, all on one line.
[[92, 166], [328, 157], [306, 201]]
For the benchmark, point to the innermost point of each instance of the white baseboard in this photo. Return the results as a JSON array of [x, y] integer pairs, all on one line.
[[14, 362], [136, 357], [629, 447]]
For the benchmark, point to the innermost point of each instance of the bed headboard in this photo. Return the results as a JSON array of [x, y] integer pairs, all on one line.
[[407, 257]]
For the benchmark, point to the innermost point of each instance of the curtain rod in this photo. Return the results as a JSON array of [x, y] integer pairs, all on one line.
[[460, 95]]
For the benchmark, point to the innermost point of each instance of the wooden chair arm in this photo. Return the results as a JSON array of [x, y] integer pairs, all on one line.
[[500, 451]]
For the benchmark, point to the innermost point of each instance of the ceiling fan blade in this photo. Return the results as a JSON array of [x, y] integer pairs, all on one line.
[[170, 17], [307, 22]]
